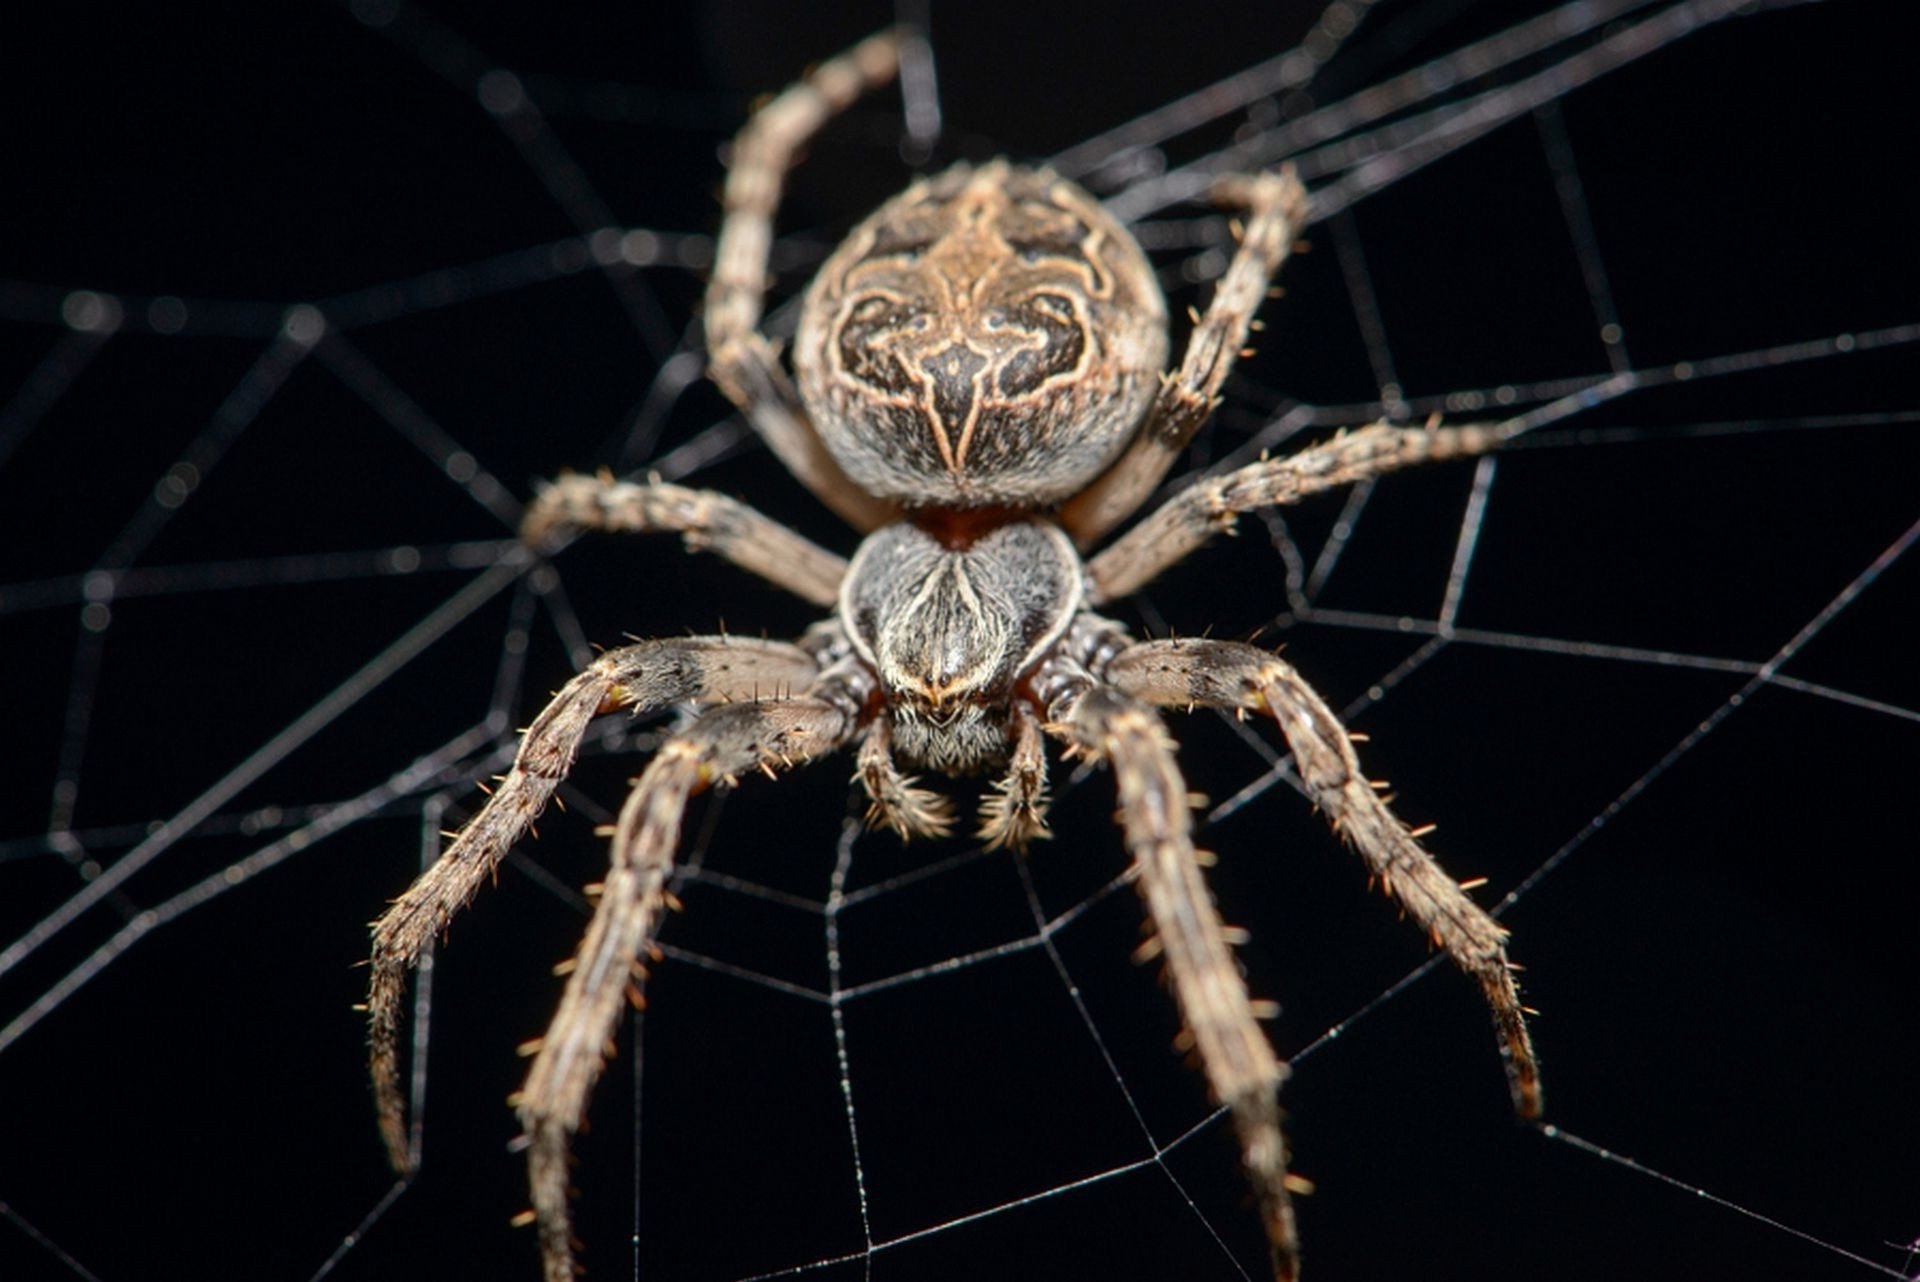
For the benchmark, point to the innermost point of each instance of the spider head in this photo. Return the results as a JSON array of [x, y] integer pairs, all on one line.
[[988, 338], [947, 630], [946, 663]]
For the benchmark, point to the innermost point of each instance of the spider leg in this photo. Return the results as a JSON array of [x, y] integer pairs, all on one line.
[[723, 743], [741, 361], [1276, 207], [1015, 813], [895, 801], [708, 521], [1240, 1066], [1226, 674], [1195, 515], [652, 674]]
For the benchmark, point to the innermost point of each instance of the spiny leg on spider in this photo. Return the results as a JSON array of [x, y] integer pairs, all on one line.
[[979, 392]]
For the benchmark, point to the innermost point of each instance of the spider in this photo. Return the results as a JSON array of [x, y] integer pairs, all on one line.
[[980, 394]]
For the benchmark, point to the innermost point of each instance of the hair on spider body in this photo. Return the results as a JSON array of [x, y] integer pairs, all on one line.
[[980, 395], [948, 630]]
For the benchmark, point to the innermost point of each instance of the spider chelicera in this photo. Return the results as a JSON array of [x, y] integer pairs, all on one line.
[[980, 394]]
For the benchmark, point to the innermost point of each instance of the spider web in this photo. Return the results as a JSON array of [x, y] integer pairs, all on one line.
[[296, 307]]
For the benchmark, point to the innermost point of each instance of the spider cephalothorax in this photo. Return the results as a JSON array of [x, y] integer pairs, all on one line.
[[980, 394], [948, 626]]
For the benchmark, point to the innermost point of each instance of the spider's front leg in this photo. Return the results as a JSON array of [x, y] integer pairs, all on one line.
[[1226, 674], [724, 743], [1221, 1023], [650, 675]]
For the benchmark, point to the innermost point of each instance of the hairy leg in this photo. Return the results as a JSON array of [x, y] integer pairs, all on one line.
[[1221, 1023], [1276, 207], [724, 743], [652, 674], [743, 363], [1226, 674], [709, 522], [1210, 507]]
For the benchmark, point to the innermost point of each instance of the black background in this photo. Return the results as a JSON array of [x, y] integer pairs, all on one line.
[[1724, 963]]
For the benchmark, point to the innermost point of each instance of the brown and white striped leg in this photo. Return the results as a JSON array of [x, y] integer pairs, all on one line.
[[652, 674], [1210, 507], [1240, 1066], [708, 521], [1227, 674], [723, 744], [1276, 210], [740, 360]]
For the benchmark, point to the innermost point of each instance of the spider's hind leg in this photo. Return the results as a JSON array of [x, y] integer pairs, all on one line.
[[721, 745], [1275, 205], [741, 361], [652, 674]]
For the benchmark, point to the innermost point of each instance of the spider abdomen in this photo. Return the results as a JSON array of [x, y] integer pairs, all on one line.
[[949, 629], [988, 338]]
